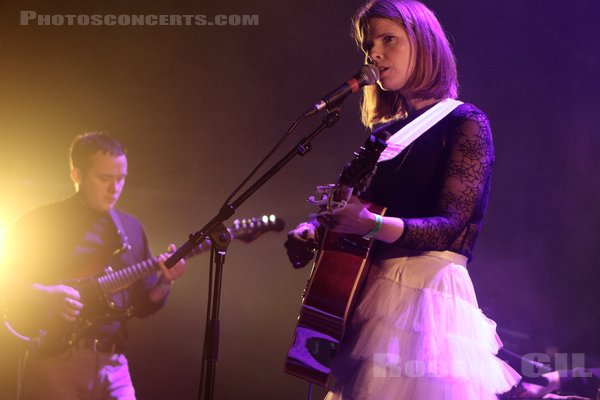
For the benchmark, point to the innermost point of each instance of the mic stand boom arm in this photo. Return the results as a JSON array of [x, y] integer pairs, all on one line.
[[302, 147], [221, 239]]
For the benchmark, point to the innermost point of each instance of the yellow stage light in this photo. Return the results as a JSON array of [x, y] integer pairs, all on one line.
[[3, 229]]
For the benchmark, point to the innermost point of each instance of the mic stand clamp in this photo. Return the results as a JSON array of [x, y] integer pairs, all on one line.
[[220, 238], [329, 120]]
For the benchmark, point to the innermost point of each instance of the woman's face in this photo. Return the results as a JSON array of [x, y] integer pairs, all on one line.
[[387, 46]]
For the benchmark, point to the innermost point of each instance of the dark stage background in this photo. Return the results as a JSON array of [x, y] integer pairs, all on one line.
[[198, 106]]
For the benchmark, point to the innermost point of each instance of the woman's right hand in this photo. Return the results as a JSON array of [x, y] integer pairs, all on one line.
[[301, 244], [61, 300]]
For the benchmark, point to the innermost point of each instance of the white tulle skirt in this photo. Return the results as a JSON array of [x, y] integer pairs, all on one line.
[[418, 334]]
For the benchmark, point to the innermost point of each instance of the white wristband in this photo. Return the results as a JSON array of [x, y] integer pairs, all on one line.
[[376, 228]]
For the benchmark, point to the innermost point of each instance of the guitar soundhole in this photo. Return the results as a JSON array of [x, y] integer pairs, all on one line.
[[312, 350], [322, 350]]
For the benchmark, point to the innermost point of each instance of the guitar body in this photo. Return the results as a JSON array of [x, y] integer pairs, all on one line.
[[45, 333], [333, 288], [99, 307], [338, 274]]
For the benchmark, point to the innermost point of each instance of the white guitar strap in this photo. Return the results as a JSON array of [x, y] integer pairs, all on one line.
[[411, 132]]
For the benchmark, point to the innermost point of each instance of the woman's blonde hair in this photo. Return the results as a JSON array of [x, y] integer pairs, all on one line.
[[434, 75]]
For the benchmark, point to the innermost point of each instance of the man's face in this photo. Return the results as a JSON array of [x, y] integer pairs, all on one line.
[[101, 185]]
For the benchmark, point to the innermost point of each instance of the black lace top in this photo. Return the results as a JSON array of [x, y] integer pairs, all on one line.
[[439, 185]]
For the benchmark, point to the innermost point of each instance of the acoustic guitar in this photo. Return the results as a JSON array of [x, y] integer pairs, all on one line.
[[337, 274]]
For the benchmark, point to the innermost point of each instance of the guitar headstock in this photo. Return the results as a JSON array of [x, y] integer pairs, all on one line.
[[357, 171], [248, 229]]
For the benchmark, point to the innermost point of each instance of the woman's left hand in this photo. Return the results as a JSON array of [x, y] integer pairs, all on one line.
[[354, 218]]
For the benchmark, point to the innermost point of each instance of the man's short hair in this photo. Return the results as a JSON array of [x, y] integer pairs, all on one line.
[[84, 146]]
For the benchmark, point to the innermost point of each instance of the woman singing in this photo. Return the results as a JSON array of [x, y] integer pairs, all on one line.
[[417, 332]]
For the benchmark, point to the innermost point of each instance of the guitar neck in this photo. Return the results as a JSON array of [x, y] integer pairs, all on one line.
[[245, 230], [115, 281]]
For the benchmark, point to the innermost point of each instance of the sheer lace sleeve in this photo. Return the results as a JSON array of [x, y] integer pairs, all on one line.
[[464, 193]]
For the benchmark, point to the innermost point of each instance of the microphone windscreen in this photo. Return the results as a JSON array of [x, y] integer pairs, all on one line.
[[370, 73]]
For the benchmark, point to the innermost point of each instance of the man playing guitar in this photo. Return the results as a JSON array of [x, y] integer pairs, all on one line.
[[55, 244]]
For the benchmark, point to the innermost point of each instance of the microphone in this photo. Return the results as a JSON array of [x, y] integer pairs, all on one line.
[[367, 75]]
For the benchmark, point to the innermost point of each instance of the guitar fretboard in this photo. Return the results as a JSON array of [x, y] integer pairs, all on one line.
[[245, 229], [115, 281]]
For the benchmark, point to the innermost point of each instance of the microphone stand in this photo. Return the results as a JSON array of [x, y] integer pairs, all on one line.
[[210, 354], [220, 239]]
